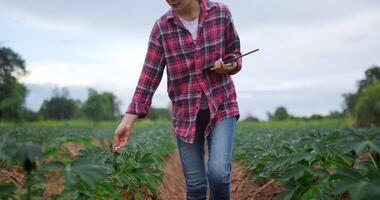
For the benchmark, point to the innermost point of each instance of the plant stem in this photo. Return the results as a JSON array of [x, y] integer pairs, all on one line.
[[373, 160]]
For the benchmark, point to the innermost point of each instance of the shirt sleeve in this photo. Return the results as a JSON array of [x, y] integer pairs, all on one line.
[[232, 43], [150, 76]]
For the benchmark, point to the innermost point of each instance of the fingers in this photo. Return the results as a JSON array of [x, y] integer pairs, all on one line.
[[120, 144], [216, 65], [114, 142], [222, 68], [231, 66], [121, 137]]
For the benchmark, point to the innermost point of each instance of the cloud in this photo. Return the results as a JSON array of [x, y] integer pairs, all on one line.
[[118, 15], [296, 55], [310, 51]]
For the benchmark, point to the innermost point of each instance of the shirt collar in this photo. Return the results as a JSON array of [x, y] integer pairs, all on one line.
[[206, 5]]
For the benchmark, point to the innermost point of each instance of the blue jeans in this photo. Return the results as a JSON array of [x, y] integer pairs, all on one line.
[[220, 142]]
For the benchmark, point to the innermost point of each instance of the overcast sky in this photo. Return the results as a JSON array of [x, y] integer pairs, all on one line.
[[311, 51]]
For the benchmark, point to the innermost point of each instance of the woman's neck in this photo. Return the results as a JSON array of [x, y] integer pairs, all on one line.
[[191, 11]]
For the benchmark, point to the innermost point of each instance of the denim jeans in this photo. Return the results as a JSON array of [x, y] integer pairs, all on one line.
[[217, 177]]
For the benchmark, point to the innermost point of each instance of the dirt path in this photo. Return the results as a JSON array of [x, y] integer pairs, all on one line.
[[173, 186]]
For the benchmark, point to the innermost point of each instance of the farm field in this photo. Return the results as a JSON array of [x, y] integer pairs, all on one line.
[[75, 162]]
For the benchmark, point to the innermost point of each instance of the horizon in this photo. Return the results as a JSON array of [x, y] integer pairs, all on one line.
[[311, 53]]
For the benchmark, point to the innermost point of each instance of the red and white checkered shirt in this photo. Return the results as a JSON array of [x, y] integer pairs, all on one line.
[[187, 63]]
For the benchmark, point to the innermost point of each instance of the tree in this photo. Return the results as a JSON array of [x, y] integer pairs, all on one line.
[[60, 106], [159, 114], [371, 76], [12, 93], [367, 110], [335, 114], [251, 118], [101, 106], [316, 117], [350, 99], [280, 114]]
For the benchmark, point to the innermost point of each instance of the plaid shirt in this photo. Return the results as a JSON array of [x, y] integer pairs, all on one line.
[[187, 63]]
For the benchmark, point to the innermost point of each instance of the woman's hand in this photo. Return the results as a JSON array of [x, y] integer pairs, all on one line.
[[123, 131], [222, 68]]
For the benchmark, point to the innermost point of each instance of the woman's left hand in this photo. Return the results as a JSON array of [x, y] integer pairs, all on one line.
[[222, 68]]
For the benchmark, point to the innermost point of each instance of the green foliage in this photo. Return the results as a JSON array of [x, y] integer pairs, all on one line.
[[280, 114], [351, 99], [11, 64], [60, 106], [313, 163], [101, 106], [159, 114], [12, 103], [371, 76], [251, 118], [367, 108], [95, 173], [29, 155], [316, 117], [12, 93]]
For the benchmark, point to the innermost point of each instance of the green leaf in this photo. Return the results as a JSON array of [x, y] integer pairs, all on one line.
[[300, 156], [138, 196], [147, 159], [349, 173], [359, 190], [88, 170], [29, 155], [7, 190], [342, 186], [375, 145], [310, 194], [285, 195], [279, 162], [318, 172], [69, 176], [52, 165], [295, 171]]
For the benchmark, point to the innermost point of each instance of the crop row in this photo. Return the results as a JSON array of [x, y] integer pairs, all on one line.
[[80, 159], [313, 163]]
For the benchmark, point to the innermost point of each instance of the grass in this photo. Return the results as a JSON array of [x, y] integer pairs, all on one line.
[[80, 123], [326, 122]]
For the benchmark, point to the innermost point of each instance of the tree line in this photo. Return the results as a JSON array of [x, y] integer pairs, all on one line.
[[98, 105], [362, 107]]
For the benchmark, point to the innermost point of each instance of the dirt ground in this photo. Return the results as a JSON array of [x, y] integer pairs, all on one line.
[[173, 185]]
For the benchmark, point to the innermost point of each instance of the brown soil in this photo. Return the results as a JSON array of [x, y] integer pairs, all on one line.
[[12, 175], [173, 184], [242, 188], [73, 148]]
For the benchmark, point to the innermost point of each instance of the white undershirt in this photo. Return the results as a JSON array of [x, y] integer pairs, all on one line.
[[192, 27]]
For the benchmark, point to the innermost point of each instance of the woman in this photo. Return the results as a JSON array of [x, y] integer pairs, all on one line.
[[190, 39]]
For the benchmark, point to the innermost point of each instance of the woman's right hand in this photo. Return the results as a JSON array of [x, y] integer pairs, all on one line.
[[123, 131]]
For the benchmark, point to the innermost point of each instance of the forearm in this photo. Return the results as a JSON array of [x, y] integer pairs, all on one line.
[[130, 119]]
